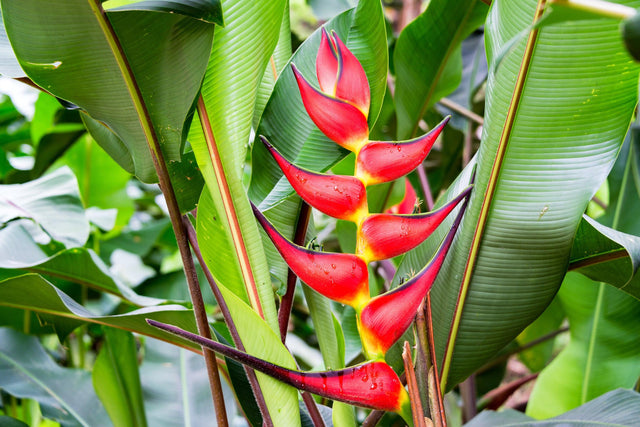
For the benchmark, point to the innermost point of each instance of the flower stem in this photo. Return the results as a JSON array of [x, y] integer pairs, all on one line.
[[287, 300], [416, 403], [226, 314]]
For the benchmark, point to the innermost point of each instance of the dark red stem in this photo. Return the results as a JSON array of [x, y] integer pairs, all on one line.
[[286, 303]]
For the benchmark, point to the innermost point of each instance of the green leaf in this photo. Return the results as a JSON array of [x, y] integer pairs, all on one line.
[[606, 255], [616, 408], [535, 176], [240, 54], [166, 54], [117, 381], [428, 60], [64, 394], [82, 266], [602, 351], [9, 65], [11, 422], [216, 244], [286, 123], [537, 357], [260, 340], [277, 62], [53, 202], [205, 10], [49, 301], [92, 165], [176, 393]]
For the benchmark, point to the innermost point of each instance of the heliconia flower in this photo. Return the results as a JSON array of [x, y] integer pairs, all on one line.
[[340, 74], [408, 202], [384, 161], [386, 317], [383, 236], [341, 277], [339, 196], [370, 385], [339, 120]]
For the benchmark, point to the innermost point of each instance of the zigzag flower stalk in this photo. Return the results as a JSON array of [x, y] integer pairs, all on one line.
[[369, 385], [340, 109]]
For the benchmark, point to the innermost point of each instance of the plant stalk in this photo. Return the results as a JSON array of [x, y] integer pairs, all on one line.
[[287, 300], [416, 404], [439, 415], [226, 314], [426, 188]]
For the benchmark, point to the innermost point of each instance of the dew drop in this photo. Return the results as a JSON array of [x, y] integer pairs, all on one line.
[[364, 378], [373, 386], [333, 266]]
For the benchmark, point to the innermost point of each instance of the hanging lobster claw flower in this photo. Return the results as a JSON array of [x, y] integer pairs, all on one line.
[[341, 277], [383, 236], [384, 161], [369, 385], [339, 196], [386, 317], [408, 203], [339, 120]]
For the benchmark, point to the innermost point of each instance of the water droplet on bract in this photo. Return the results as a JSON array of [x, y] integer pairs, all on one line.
[[364, 378], [373, 386], [333, 266], [399, 148]]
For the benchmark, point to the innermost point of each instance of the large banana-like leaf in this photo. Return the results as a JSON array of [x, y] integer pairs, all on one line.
[[135, 71], [428, 59], [617, 408], [241, 53], [558, 106], [602, 354], [66, 395], [285, 121], [34, 293], [604, 254], [53, 203]]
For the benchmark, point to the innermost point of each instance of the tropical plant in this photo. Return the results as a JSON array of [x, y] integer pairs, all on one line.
[[296, 181]]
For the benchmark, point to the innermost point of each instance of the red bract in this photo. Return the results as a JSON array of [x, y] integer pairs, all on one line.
[[370, 385], [327, 64], [340, 277], [339, 196], [383, 236], [339, 120], [383, 161], [408, 203], [386, 317], [340, 74]]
